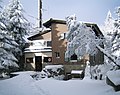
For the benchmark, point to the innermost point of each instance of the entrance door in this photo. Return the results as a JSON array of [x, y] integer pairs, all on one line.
[[38, 63]]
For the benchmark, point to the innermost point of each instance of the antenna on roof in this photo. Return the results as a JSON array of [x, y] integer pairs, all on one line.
[[40, 13]]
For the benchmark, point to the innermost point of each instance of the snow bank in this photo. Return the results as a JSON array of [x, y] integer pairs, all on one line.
[[114, 76], [97, 71], [50, 71], [19, 85]]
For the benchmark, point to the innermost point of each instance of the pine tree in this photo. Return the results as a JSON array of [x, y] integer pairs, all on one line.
[[17, 25], [109, 26], [116, 34], [112, 28], [7, 46], [8, 61]]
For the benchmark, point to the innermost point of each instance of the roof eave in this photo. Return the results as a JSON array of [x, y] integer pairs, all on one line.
[[48, 23]]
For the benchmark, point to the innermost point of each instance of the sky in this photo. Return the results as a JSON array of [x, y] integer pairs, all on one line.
[[86, 10]]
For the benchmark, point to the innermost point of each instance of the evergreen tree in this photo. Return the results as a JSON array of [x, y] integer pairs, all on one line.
[[112, 28], [7, 45], [109, 26], [116, 34], [17, 25]]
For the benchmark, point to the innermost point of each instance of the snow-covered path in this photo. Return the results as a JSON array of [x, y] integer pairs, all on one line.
[[76, 87], [23, 84]]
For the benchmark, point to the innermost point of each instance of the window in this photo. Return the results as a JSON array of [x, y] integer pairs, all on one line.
[[29, 60], [47, 59], [49, 43], [74, 58], [63, 36], [57, 54]]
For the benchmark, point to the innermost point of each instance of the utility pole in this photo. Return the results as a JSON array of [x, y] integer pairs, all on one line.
[[40, 13]]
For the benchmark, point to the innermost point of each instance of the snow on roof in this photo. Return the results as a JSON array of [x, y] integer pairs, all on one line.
[[53, 66], [38, 33], [39, 50], [76, 71], [87, 22]]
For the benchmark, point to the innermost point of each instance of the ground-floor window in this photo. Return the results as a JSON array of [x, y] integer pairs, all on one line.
[[29, 60], [47, 59]]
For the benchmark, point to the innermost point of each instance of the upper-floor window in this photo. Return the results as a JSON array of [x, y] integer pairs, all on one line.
[[49, 43], [40, 43], [63, 36], [57, 54]]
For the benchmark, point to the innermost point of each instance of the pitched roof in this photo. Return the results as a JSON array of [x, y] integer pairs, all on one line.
[[38, 34], [48, 23], [95, 28]]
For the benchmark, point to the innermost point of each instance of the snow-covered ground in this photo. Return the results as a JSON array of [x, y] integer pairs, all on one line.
[[24, 84]]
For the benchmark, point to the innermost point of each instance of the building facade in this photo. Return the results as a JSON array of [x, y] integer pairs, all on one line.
[[58, 29], [56, 35], [39, 51]]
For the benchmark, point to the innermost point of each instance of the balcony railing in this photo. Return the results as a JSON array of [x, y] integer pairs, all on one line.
[[38, 45]]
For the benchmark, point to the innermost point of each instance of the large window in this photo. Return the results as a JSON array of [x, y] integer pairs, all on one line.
[[29, 60], [47, 59]]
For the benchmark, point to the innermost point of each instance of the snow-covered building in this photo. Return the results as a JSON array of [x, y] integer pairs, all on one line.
[[38, 52], [57, 35]]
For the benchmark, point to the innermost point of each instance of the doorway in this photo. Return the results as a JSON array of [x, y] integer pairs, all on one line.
[[38, 63]]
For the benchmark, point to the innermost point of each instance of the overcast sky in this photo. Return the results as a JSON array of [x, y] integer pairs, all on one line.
[[85, 10]]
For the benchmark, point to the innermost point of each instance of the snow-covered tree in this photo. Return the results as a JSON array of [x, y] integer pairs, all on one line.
[[116, 35], [109, 26], [17, 25], [7, 45], [112, 29], [80, 38], [8, 61]]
